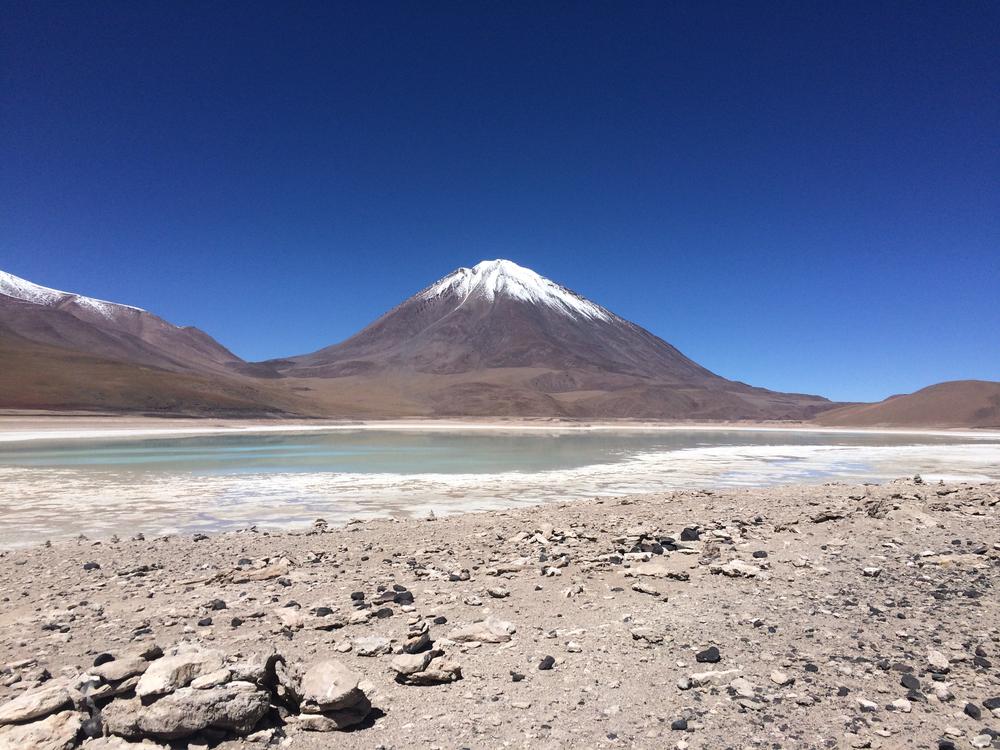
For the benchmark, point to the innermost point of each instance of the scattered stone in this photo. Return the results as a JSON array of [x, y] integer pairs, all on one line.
[[490, 630], [938, 662], [427, 668], [710, 655], [827, 515], [706, 679], [742, 688], [902, 705], [738, 569], [372, 645], [781, 678]]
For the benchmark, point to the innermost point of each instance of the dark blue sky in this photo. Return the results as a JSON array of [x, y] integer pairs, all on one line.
[[801, 195]]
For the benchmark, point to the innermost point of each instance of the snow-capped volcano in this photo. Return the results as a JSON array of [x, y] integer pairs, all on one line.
[[498, 338], [491, 279], [27, 291]]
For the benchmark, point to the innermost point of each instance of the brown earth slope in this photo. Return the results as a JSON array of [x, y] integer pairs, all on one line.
[[958, 403], [42, 377]]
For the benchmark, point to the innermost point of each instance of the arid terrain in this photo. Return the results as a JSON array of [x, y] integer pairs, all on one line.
[[828, 616]]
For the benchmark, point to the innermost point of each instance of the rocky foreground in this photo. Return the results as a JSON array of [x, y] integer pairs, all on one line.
[[800, 617]]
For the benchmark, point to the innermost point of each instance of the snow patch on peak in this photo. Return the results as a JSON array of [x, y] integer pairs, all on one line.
[[26, 291], [491, 279]]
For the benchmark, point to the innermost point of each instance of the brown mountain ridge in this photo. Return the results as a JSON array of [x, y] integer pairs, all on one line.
[[496, 339]]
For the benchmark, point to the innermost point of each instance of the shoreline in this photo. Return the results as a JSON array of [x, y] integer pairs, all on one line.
[[16, 429], [814, 616]]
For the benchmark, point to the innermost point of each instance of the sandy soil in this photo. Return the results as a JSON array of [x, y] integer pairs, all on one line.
[[855, 616]]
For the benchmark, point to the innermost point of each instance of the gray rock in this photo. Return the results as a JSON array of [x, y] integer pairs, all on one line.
[[36, 703], [937, 661], [55, 732], [333, 721], [212, 679], [705, 679], [738, 569], [428, 668], [372, 645], [407, 664], [169, 673], [258, 668], [646, 635], [327, 686], [742, 688], [490, 630], [440, 670], [120, 669], [235, 707], [781, 678]]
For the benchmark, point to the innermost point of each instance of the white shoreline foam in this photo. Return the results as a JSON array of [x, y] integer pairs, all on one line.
[[23, 435]]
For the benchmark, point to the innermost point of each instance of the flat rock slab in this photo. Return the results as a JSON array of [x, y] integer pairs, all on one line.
[[36, 703], [235, 707], [168, 673], [490, 630], [55, 732]]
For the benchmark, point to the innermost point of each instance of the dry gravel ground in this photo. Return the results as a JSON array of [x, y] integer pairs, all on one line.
[[855, 616]]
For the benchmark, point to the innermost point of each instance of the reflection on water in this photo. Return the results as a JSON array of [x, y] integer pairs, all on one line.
[[100, 487]]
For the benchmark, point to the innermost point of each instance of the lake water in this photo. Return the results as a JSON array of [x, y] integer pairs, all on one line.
[[53, 489]]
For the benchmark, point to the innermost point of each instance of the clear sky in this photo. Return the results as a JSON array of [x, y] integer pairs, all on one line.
[[801, 195]]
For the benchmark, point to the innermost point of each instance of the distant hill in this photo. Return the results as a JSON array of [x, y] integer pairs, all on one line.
[[63, 351], [957, 403], [41, 377], [111, 330]]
